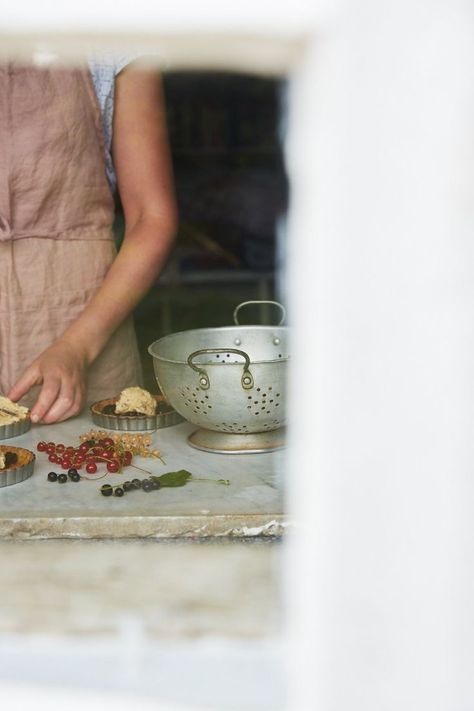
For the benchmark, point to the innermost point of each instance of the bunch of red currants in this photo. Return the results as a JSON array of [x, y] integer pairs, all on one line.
[[88, 455]]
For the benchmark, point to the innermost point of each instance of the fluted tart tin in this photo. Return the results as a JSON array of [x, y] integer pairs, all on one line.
[[134, 423], [14, 429], [20, 470]]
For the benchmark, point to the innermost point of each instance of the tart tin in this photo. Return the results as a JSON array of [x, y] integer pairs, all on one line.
[[15, 428], [17, 472], [134, 423]]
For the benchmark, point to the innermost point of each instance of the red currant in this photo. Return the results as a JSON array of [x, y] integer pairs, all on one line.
[[53, 458], [51, 449], [83, 447], [91, 467], [60, 448], [127, 458], [107, 442], [113, 466], [41, 446]]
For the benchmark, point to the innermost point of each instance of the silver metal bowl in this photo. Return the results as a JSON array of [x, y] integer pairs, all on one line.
[[228, 381]]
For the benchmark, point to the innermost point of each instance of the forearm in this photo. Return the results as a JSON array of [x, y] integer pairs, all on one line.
[[143, 253]]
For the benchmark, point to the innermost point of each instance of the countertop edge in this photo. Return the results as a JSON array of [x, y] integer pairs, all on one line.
[[116, 527]]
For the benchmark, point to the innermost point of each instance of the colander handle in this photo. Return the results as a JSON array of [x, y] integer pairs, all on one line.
[[247, 303], [204, 383]]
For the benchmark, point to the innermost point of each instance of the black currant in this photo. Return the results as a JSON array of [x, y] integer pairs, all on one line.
[[74, 477], [118, 491], [52, 476], [106, 490], [72, 471], [137, 483], [62, 478], [147, 485], [128, 486]]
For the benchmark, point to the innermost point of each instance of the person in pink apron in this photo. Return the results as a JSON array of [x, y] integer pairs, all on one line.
[[66, 297]]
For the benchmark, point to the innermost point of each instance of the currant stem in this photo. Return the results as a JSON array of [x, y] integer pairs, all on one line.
[[93, 478], [225, 482], [141, 469]]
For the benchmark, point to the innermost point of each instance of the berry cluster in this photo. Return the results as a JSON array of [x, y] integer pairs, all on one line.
[[88, 455], [146, 484], [136, 443], [72, 473]]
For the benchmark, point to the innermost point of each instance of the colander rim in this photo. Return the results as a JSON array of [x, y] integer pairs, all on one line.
[[219, 329]]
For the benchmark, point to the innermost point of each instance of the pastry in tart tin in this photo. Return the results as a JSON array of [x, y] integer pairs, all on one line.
[[134, 409], [14, 418], [16, 464]]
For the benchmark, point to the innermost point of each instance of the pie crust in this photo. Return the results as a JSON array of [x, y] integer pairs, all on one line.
[[165, 417], [21, 469]]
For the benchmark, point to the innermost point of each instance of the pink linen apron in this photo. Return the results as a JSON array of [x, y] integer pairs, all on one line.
[[56, 214]]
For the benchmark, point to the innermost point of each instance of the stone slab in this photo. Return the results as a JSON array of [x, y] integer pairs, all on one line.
[[251, 505]]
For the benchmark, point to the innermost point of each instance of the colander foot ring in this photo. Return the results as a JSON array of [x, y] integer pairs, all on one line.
[[229, 443]]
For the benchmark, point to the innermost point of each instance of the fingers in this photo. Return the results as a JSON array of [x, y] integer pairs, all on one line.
[[30, 377], [48, 395], [67, 404], [61, 376]]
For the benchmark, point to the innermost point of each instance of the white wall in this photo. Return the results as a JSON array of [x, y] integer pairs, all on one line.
[[383, 297]]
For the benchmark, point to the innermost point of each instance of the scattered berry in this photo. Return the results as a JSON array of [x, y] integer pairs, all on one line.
[[62, 478], [113, 466], [106, 490], [52, 476]]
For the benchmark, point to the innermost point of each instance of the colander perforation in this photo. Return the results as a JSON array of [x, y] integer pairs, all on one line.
[[234, 427]]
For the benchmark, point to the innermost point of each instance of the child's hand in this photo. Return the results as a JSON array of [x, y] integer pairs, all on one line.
[[60, 370]]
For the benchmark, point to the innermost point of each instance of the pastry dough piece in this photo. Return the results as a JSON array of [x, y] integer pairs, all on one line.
[[10, 412], [135, 399]]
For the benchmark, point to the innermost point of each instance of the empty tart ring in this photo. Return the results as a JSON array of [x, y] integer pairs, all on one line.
[[103, 415], [19, 464]]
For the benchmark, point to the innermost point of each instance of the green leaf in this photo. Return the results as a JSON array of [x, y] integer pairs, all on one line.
[[179, 478]]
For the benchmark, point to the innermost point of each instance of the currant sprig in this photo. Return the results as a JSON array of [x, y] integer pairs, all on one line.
[[138, 444], [88, 455], [97, 447]]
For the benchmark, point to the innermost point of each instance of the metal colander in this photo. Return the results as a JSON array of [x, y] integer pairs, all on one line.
[[229, 381]]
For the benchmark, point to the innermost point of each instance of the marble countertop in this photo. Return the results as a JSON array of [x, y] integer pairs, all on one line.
[[251, 505]]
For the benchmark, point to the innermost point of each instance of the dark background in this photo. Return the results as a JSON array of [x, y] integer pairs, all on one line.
[[231, 186]]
